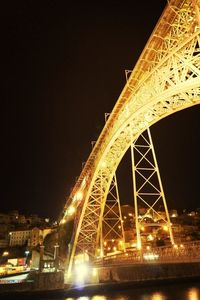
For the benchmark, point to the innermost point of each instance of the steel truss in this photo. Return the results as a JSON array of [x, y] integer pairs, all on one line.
[[166, 79], [147, 186], [112, 223]]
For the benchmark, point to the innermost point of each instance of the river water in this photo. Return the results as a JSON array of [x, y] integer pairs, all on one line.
[[183, 291]]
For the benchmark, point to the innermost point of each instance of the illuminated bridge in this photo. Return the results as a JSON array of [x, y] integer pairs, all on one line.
[[166, 79]]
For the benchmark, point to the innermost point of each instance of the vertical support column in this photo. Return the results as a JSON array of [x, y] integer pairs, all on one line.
[[100, 234], [120, 213], [137, 225], [41, 264], [101, 241], [56, 257], [161, 188], [112, 224]]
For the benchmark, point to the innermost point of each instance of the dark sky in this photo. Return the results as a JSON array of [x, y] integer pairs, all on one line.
[[63, 66]]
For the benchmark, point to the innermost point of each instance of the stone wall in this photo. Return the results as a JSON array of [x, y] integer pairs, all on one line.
[[142, 272], [36, 282], [48, 281]]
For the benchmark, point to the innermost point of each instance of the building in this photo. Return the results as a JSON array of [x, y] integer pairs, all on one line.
[[19, 237], [35, 237], [38, 235], [4, 242]]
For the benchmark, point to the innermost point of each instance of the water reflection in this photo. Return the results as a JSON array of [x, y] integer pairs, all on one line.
[[158, 296], [193, 294], [96, 297], [79, 298], [124, 297], [171, 292], [154, 296], [99, 298]]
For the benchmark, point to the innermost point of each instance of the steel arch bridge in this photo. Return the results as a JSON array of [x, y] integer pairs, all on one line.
[[166, 79]]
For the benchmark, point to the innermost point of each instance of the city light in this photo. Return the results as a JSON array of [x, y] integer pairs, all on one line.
[[150, 256], [142, 228], [165, 228], [81, 258], [157, 296], [81, 272], [82, 269], [83, 184], [79, 195], [63, 221], [150, 237], [94, 272], [139, 245], [173, 215], [103, 164], [71, 210]]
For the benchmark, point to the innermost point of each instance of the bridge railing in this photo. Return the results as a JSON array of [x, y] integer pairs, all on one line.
[[187, 252]]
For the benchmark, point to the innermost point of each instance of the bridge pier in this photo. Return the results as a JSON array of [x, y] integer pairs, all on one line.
[[137, 273], [145, 272]]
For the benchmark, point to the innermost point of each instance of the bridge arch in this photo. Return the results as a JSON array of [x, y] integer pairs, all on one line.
[[165, 80]]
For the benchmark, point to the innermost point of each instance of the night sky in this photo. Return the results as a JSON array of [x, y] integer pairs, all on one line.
[[63, 66]]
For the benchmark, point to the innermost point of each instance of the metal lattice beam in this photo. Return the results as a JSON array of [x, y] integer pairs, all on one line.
[[147, 185], [112, 223]]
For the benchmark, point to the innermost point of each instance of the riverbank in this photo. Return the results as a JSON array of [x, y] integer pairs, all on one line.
[[36, 282], [109, 278]]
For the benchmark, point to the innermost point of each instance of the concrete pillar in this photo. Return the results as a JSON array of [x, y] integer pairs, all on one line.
[[56, 259], [41, 258]]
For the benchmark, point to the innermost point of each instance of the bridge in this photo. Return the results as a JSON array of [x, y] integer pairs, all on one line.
[[165, 80]]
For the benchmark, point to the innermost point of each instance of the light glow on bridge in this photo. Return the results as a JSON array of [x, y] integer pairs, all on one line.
[[71, 210], [150, 256]]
